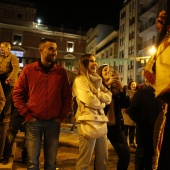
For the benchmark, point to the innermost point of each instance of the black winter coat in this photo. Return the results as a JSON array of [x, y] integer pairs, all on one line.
[[120, 101], [144, 110]]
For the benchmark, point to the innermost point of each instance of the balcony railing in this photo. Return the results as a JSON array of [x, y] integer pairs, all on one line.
[[72, 64], [147, 25]]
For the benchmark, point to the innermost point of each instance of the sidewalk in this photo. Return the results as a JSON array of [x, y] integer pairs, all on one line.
[[66, 138]]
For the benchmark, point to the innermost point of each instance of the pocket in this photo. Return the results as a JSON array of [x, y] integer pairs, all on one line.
[[32, 120]]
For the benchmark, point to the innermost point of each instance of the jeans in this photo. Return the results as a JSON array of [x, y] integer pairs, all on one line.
[[119, 141], [35, 131]]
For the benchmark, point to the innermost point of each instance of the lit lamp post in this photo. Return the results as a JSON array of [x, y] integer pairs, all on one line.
[[152, 50], [39, 21], [143, 60]]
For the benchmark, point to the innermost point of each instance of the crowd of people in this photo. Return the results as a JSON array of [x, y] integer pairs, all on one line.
[[39, 98]]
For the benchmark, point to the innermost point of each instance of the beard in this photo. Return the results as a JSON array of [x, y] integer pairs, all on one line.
[[50, 58]]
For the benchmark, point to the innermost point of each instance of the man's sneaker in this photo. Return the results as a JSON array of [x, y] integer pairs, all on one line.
[[5, 161], [71, 131]]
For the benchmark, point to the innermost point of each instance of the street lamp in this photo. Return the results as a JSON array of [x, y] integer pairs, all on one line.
[[39, 21], [152, 50]]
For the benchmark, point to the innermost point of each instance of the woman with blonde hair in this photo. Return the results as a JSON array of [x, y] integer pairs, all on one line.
[[92, 97]]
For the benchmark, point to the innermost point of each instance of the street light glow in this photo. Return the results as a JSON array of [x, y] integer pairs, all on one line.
[[39, 21], [152, 50]]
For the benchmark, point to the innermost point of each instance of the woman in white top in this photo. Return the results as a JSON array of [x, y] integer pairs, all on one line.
[[91, 95]]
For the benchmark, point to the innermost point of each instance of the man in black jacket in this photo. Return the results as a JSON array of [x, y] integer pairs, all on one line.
[[144, 110]]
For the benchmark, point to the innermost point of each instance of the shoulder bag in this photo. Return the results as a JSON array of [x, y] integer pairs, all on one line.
[[93, 125]]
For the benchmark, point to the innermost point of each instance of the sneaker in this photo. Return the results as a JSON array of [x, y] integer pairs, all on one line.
[[5, 161], [71, 131]]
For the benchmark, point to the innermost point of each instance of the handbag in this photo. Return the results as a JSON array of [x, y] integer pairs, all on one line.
[[93, 126], [161, 76]]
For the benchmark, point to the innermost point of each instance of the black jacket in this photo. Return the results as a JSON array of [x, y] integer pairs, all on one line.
[[144, 110], [120, 101]]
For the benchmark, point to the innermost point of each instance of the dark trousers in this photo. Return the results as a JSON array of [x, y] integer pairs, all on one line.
[[8, 95], [119, 141], [7, 110], [130, 130], [144, 158], [15, 124], [164, 159]]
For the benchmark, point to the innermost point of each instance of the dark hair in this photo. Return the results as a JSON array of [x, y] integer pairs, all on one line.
[[44, 40], [125, 87], [99, 71], [83, 69], [131, 83]]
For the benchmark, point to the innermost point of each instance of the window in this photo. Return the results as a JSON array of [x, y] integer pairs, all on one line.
[[70, 46], [120, 68], [123, 14], [19, 54], [17, 40], [130, 66], [110, 51], [102, 55], [107, 54], [121, 54]]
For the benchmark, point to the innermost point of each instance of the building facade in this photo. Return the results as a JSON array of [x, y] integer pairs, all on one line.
[[17, 27], [126, 50]]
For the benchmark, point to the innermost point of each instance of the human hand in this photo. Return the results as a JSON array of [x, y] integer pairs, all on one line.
[[57, 120], [32, 119], [6, 119], [8, 80], [113, 76]]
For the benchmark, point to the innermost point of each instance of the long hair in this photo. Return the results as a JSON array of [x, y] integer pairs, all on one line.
[[164, 29], [83, 69], [99, 71]]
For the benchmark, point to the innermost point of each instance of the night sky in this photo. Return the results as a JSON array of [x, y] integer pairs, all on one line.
[[75, 15]]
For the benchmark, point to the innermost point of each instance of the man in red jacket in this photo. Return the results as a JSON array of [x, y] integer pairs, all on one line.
[[43, 96]]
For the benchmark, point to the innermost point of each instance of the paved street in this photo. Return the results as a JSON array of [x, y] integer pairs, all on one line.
[[68, 152]]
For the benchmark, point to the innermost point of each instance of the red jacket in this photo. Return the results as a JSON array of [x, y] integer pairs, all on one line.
[[41, 95]]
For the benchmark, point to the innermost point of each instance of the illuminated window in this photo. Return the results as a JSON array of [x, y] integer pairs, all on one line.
[[70, 46], [19, 54], [17, 40]]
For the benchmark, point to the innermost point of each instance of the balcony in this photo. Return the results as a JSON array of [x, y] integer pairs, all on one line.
[[72, 64]]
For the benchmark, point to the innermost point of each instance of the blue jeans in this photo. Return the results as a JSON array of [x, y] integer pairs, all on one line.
[[35, 132]]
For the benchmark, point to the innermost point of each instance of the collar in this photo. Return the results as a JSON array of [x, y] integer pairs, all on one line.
[[96, 79], [44, 68]]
